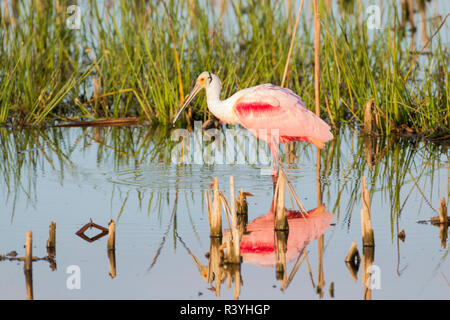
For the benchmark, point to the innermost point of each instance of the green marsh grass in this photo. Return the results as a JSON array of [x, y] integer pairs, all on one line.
[[146, 56]]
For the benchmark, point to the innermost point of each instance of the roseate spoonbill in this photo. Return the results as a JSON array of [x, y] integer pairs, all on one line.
[[272, 113]]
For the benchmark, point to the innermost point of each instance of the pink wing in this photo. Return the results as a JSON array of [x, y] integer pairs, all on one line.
[[269, 107]]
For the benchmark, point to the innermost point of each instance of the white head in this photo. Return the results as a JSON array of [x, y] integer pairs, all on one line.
[[206, 80]]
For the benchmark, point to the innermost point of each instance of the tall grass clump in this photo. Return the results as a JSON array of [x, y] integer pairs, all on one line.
[[139, 58]]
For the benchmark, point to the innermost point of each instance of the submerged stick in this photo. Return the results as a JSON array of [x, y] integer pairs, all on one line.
[[112, 235], [28, 251]]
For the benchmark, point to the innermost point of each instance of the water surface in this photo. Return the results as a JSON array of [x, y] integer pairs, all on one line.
[[72, 175]]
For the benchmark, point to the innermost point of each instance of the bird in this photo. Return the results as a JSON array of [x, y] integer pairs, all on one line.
[[272, 113]]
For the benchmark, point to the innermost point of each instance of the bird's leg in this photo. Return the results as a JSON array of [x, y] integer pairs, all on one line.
[[273, 145]]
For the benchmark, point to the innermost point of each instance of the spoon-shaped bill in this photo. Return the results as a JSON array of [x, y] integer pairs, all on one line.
[[191, 96]]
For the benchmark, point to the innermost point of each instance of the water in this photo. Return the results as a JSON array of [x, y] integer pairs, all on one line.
[[72, 175]]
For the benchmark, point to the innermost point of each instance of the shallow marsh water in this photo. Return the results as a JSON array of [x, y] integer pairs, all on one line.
[[72, 175]]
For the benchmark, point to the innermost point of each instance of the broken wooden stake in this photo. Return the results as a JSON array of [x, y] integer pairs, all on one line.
[[112, 235]]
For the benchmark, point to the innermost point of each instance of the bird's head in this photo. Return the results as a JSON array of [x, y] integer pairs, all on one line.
[[205, 80]]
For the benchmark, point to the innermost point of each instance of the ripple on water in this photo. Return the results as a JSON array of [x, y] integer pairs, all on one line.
[[192, 177]]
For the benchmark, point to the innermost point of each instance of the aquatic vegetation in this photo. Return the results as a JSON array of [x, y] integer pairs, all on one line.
[[137, 59]]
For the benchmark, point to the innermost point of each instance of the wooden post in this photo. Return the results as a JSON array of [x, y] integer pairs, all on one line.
[[366, 224], [51, 242], [215, 224], [443, 218], [112, 235], [28, 251], [281, 223]]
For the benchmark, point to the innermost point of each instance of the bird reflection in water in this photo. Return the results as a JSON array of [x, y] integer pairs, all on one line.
[[260, 245], [258, 242]]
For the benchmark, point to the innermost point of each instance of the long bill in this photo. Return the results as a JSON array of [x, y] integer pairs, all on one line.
[[191, 96]]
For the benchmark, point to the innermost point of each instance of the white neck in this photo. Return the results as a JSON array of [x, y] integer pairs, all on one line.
[[213, 94], [222, 109]]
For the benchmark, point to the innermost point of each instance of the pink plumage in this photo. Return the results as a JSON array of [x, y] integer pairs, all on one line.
[[277, 110]]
